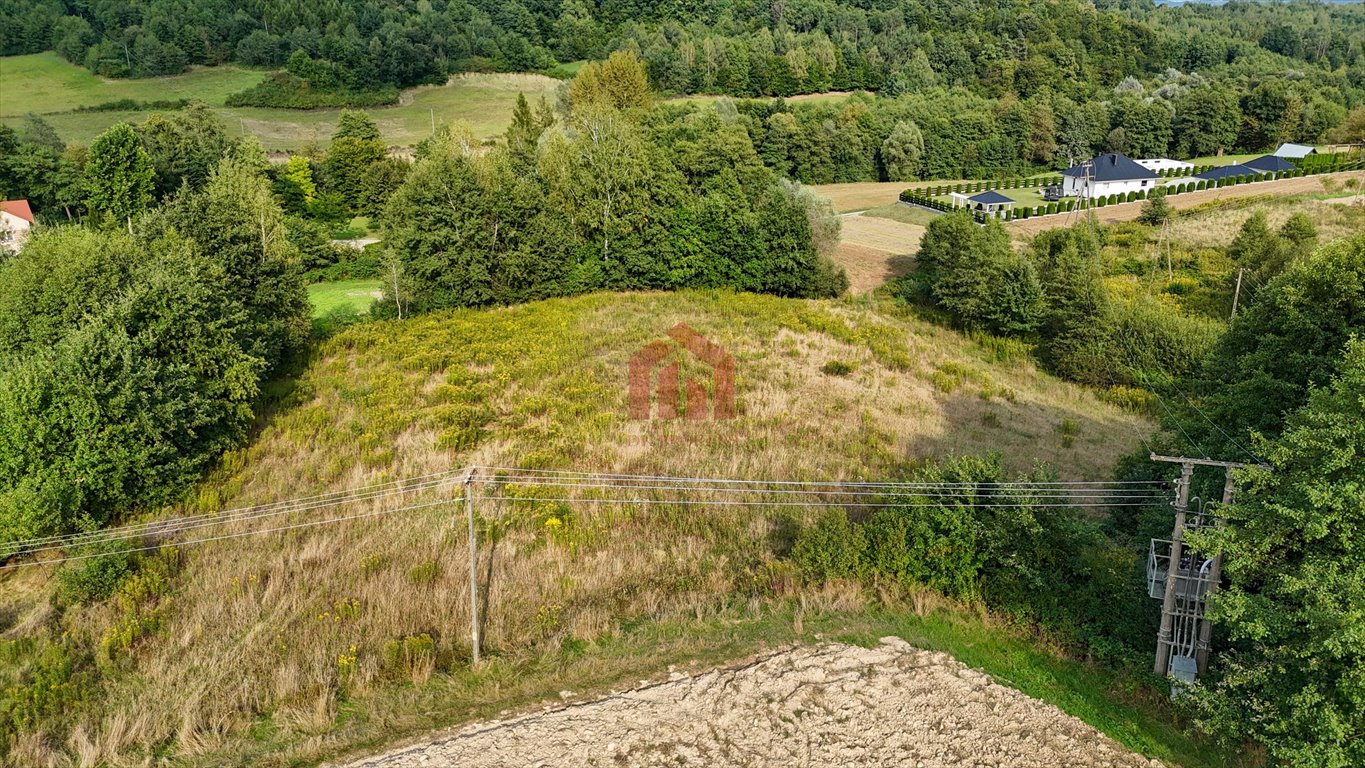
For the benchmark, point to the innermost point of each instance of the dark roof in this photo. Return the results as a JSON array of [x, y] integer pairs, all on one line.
[[1270, 164], [990, 197], [1112, 167], [1224, 171]]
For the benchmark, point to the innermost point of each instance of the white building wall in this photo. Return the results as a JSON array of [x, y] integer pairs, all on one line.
[[13, 232], [1159, 164], [1072, 186]]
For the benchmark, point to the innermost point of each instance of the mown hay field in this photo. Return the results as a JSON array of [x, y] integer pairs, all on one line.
[[292, 646]]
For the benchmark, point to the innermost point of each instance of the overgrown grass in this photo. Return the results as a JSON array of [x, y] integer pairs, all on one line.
[[906, 214], [285, 647]]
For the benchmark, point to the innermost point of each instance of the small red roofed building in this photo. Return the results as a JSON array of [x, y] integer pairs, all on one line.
[[16, 222]]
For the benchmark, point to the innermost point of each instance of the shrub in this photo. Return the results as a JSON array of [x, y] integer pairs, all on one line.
[[283, 90], [424, 573], [833, 548], [95, 579]]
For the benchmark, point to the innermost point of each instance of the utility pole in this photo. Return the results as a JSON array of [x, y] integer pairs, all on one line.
[[1187, 582], [1163, 637], [473, 565], [1237, 294]]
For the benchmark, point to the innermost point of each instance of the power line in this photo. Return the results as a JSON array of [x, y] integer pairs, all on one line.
[[1200, 411], [173, 525], [769, 493], [761, 503], [308, 524], [1162, 402], [335, 495], [480, 474], [982, 492]]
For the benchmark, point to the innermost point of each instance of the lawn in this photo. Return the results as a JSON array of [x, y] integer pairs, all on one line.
[[46, 84], [1226, 159], [355, 295], [906, 214]]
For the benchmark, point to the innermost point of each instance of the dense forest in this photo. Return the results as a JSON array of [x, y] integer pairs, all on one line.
[[992, 89], [739, 48]]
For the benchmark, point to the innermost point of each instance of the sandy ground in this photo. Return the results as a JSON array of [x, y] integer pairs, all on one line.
[[837, 705], [873, 250], [1113, 214]]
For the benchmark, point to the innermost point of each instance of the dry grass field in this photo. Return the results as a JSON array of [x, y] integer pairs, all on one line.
[[1334, 218], [860, 196], [284, 649], [874, 250]]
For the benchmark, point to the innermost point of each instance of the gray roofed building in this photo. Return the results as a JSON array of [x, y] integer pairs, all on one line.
[[1295, 151], [1226, 171], [1111, 166], [1270, 164], [990, 197]]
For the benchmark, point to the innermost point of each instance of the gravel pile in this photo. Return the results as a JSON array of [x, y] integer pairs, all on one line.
[[835, 705]]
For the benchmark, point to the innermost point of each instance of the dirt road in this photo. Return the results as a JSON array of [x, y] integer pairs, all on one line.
[[837, 705], [1113, 214]]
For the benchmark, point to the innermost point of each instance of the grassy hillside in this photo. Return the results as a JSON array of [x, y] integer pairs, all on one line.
[[46, 83], [51, 86], [291, 647]]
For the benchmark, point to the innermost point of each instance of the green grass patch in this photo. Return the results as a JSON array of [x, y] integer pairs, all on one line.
[[1226, 159], [45, 83], [905, 214], [352, 295]]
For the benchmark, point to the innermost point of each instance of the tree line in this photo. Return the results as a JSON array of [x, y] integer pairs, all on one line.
[[360, 50], [607, 198], [135, 349]]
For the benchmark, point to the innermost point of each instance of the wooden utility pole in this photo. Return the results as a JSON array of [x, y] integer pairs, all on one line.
[[1237, 294], [473, 565]]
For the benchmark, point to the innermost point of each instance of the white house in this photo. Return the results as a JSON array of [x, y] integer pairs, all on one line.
[[1295, 151], [16, 221], [1163, 164], [1108, 174]]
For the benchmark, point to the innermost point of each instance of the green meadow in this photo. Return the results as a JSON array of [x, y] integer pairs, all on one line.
[[48, 85]]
